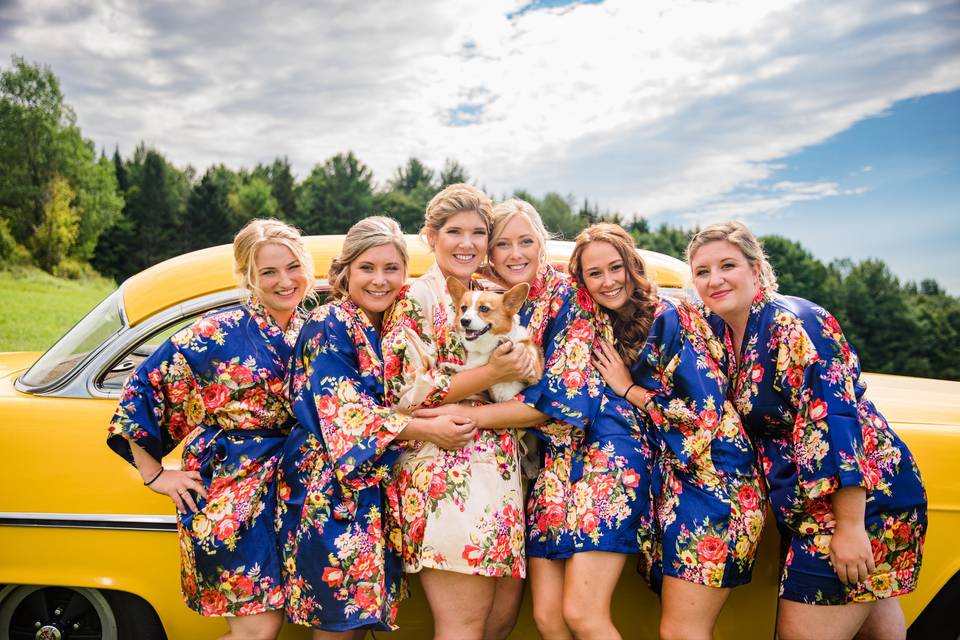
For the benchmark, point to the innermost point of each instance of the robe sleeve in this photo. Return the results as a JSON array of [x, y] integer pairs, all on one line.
[[688, 400], [332, 401], [160, 404], [815, 373], [412, 375], [562, 392]]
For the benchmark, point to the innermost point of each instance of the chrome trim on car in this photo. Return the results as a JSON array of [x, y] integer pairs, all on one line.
[[131, 522]]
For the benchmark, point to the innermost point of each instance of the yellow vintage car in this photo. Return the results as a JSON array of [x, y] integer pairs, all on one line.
[[86, 551]]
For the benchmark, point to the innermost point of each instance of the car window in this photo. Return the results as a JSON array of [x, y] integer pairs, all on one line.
[[116, 376], [68, 352]]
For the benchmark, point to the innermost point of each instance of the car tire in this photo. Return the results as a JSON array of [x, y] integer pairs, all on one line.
[[63, 612], [939, 619]]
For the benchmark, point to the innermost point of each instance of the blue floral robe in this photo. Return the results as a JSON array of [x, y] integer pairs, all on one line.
[[569, 392], [610, 507], [797, 386], [219, 386], [341, 557], [708, 493]]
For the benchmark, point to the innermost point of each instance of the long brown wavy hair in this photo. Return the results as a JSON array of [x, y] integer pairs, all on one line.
[[632, 322]]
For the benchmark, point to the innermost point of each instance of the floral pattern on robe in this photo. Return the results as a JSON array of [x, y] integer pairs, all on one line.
[[569, 392], [341, 557], [459, 510], [219, 386], [709, 495], [797, 386], [611, 502]]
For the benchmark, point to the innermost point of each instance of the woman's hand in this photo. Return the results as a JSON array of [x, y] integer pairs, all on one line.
[[851, 554], [509, 365], [177, 486], [451, 431], [611, 366]]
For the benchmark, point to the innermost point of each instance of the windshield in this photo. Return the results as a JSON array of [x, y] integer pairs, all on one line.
[[69, 351]]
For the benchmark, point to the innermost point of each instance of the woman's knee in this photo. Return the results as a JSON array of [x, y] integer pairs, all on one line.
[[578, 617], [550, 622], [672, 628]]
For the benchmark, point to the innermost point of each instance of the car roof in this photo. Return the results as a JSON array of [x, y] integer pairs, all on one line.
[[211, 270]]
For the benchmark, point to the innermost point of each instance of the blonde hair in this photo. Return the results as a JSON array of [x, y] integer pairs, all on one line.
[[507, 210], [453, 200], [739, 235], [371, 232], [264, 231], [632, 328]]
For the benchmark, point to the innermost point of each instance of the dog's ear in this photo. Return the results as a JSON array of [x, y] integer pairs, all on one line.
[[456, 289], [514, 297]]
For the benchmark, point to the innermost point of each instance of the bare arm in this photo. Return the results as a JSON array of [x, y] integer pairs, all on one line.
[[446, 431], [511, 414], [850, 551]]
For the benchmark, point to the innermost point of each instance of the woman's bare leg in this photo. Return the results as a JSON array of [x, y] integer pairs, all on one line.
[[546, 584], [885, 622], [589, 581], [356, 634], [262, 626], [507, 597], [799, 621], [689, 611], [460, 603]]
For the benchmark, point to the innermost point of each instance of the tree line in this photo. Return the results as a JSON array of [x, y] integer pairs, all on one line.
[[70, 211]]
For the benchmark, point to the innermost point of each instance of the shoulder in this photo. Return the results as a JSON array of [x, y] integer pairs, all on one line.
[[335, 317], [791, 314], [210, 328]]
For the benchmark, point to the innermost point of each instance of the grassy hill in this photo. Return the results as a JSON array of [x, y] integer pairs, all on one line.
[[37, 308]]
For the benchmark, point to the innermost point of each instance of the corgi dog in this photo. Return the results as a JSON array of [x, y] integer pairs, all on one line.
[[486, 320]]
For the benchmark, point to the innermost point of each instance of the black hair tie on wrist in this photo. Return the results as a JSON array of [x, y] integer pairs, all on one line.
[[627, 392], [153, 479]]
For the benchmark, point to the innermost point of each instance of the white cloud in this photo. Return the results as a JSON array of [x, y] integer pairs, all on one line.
[[650, 107]]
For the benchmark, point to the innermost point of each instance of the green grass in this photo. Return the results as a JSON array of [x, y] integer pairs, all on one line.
[[37, 308]]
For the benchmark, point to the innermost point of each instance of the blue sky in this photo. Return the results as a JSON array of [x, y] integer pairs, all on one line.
[[898, 178], [827, 122]]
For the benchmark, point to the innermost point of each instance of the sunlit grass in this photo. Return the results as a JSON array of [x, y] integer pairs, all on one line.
[[37, 308]]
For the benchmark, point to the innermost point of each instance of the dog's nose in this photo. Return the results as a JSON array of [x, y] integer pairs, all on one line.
[[465, 323]]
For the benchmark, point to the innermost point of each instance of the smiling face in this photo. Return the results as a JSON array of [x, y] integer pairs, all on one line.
[[460, 244], [725, 280], [375, 278], [605, 275], [516, 252], [281, 281]]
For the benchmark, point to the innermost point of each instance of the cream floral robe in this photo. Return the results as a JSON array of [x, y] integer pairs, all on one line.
[[460, 510]]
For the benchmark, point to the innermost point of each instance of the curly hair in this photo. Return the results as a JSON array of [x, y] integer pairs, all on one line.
[[371, 232], [632, 322]]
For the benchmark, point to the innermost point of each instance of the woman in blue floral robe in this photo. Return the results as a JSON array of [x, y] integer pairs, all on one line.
[[845, 490], [218, 386], [342, 567], [708, 494]]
